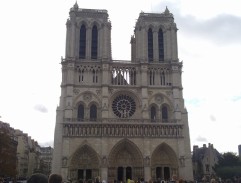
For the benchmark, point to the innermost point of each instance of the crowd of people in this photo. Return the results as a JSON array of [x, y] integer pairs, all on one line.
[[41, 178]]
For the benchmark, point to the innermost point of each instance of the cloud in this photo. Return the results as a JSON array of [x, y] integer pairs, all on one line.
[[40, 108], [201, 139], [212, 117], [222, 29]]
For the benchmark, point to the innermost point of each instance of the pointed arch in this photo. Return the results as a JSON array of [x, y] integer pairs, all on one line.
[[82, 42], [150, 45], [125, 154], [128, 153], [165, 112], [153, 111], [85, 162], [81, 112], [161, 45], [164, 162], [85, 156], [94, 42], [93, 112]]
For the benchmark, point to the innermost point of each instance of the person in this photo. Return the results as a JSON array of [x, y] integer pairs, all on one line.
[[38, 178], [55, 178]]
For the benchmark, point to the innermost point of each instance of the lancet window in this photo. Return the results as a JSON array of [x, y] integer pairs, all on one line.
[[164, 113], [80, 112], [94, 42], [161, 45], [93, 112], [82, 42], [153, 113], [150, 45]]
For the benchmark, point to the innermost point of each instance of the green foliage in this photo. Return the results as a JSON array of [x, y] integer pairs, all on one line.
[[229, 159], [229, 166]]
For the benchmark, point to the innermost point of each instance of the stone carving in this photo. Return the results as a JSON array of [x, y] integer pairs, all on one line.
[[182, 161], [64, 161], [159, 99], [87, 97], [128, 130], [98, 92], [104, 160], [147, 160], [76, 91]]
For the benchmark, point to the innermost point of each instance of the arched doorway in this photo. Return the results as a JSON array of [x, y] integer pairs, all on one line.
[[164, 163], [125, 162], [84, 164]]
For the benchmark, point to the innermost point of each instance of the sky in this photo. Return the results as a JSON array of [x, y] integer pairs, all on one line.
[[32, 41]]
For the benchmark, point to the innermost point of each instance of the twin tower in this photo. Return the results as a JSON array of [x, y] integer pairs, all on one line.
[[120, 120]]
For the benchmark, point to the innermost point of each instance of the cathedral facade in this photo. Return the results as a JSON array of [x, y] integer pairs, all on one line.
[[120, 120]]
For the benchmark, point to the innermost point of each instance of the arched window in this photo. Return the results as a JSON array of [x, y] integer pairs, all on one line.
[[164, 113], [161, 45], [93, 112], [82, 42], [150, 45], [94, 42], [81, 113], [153, 114]]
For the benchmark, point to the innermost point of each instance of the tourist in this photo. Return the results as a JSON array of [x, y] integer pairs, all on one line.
[[38, 178], [55, 178]]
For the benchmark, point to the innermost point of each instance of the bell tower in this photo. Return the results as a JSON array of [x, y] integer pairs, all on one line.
[[88, 35], [120, 120]]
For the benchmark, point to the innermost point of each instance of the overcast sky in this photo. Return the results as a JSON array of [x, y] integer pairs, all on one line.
[[32, 41]]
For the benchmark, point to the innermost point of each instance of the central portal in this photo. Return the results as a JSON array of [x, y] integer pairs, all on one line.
[[84, 174], [125, 162], [123, 174]]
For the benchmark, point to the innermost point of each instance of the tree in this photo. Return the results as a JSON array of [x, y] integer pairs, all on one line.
[[229, 166]]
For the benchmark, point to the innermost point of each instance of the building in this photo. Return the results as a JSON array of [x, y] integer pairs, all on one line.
[[8, 151], [204, 159], [28, 154], [46, 156], [121, 120]]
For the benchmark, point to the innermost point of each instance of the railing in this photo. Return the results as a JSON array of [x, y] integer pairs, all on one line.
[[122, 130], [120, 120]]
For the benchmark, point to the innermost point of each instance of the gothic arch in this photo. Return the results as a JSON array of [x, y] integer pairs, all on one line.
[[161, 98], [164, 162], [85, 157], [154, 115], [97, 25], [82, 22], [150, 27], [125, 155], [84, 163], [81, 97], [162, 27], [165, 108]]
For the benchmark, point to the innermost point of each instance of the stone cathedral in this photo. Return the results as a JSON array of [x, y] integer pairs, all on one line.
[[120, 120]]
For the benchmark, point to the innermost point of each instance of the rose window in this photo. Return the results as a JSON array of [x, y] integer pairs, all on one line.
[[124, 106]]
